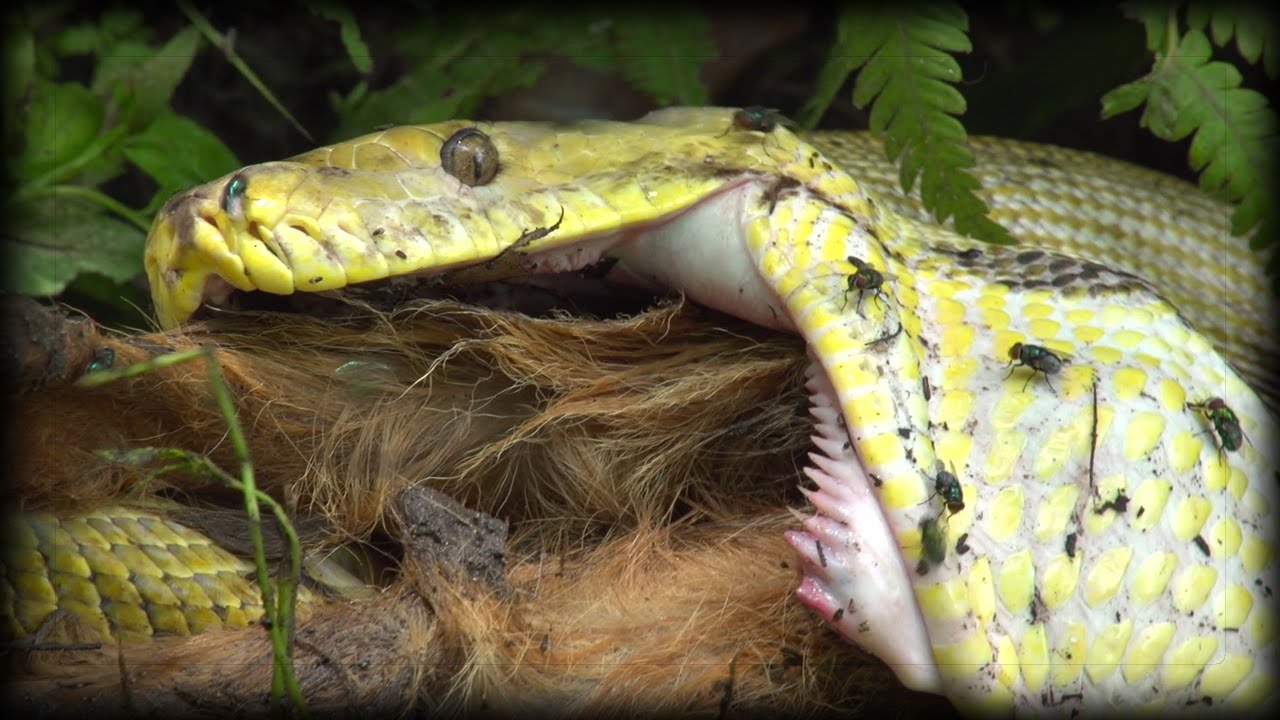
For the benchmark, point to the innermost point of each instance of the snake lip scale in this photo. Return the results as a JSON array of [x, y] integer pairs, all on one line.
[[1074, 574]]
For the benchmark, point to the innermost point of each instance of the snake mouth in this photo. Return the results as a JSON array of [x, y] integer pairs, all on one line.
[[201, 261], [218, 277], [853, 571], [584, 293], [585, 290]]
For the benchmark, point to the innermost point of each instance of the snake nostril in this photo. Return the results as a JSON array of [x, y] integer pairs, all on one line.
[[234, 195]]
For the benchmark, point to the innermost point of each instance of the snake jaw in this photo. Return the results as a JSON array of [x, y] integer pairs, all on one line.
[[854, 573], [188, 260]]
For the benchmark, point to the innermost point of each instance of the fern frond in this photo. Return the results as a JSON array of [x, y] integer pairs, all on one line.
[[663, 55], [906, 76], [1253, 28], [1235, 139], [840, 64]]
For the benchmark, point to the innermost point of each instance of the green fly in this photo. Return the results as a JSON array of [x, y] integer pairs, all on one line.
[[862, 280], [365, 378], [758, 118], [865, 278], [933, 537], [1039, 359], [104, 358], [933, 530], [1225, 423], [948, 487]]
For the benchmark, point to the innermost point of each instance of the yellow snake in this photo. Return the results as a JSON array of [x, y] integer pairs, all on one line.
[[1107, 551]]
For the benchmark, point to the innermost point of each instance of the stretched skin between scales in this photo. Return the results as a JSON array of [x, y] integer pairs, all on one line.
[[1077, 574]]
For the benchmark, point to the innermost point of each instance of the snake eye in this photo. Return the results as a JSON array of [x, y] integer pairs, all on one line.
[[470, 156], [233, 196]]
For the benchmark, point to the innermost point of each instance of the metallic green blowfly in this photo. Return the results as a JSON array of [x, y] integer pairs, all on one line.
[[104, 358], [946, 485], [933, 536], [863, 279], [756, 118], [759, 119], [1225, 422], [1038, 358], [933, 530]]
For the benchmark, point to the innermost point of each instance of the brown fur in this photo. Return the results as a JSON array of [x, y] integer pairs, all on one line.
[[645, 465]]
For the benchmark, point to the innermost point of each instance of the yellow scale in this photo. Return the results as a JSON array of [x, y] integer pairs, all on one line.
[[120, 573]]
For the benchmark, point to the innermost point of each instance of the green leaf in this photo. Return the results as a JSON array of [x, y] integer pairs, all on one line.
[[1234, 142], [945, 30], [19, 58], [906, 77], [1198, 15], [62, 122], [225, 44], [469, 59], [662, 54], [78, 40], [115, 31], [941, 96], [344, 105], [845, 57], [421, 95], [1205, 143], [1250, 40], [590, 46], [114, 303], [428, 94], [1253, 28], [178, 153], [116, 63], [54, 239], [1125, 98], [853, 47], [152, 81], [1195, 47], [121, 23], [1222, 25], [1155, 18], [349, 30], [872, 80]]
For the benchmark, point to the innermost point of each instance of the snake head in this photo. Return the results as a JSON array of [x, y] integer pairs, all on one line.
[[386, 206]]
